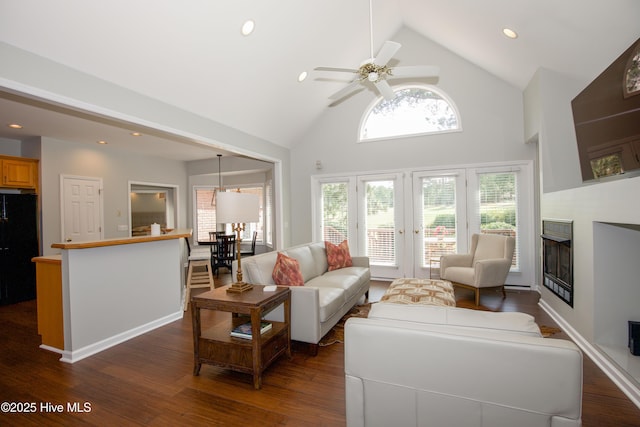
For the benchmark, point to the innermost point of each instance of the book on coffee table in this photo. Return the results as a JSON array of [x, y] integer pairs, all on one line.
[[244, 330]]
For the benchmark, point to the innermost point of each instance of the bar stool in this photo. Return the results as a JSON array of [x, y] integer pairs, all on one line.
[[199, 273]]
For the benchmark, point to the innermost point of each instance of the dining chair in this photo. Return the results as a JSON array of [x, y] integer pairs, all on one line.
[[252, 251], [224, 253]]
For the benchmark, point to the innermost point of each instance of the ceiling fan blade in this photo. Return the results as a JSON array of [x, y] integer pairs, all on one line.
[[415, 71], [387, 51], [342, 70], [385, 90], [345, 90]]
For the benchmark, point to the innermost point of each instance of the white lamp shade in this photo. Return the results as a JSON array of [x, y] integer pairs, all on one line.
[[233, 207]]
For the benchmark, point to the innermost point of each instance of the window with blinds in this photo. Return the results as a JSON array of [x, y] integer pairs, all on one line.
[[206, 214], [249, 228], [335, 212], [268, 214], [498, 207]]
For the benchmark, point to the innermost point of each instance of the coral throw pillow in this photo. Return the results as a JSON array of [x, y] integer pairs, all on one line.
[[286, 272], [338, 256]]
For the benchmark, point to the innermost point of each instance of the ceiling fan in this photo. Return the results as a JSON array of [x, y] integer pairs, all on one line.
[[377, 71]]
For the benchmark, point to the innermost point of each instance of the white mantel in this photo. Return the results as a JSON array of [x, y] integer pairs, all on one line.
[[606, 283]]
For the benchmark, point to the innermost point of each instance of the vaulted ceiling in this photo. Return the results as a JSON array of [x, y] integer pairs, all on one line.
[[192, 54]]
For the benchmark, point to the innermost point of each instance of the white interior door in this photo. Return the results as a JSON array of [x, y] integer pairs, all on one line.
[[81, 207]]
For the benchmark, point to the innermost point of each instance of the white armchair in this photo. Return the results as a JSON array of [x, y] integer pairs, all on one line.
[[485, 266]]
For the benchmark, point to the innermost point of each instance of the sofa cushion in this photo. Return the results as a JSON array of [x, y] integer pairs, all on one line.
[[286, 271], [330, 301], [349, 278], [259, 269], [503, 322], [304, 257], [319, 253], [338, 256]]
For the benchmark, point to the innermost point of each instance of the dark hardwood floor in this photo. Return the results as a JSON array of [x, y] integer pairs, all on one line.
[[148, 380]]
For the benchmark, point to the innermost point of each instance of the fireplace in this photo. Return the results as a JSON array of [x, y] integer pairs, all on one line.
[[557, 258]]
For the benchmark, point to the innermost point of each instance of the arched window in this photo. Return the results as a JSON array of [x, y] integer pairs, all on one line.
[[415, 110]]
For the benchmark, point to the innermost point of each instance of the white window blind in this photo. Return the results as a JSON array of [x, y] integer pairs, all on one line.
[[498, 207], [335, 213], [438, 217], [380, 222]]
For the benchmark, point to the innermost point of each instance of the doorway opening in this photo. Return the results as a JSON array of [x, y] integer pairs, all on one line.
[[152, 203]]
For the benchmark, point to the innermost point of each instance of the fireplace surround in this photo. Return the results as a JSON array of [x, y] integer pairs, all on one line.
[[557, 258]]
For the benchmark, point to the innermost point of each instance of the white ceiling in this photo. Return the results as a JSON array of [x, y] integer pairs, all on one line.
[[192, 55]]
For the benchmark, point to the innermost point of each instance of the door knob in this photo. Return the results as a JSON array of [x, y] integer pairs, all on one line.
[[401, 231], [417, 231]]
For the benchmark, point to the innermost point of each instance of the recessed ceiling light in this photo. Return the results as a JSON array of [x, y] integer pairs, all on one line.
[[136, 134], [248, 27], [102, 142], [14, 126], [302, 76], [510, 33]]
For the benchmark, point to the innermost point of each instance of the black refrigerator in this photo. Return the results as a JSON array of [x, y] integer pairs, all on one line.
[[18, 245]]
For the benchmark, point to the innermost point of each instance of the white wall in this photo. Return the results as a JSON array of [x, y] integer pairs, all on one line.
[[116, 168], [492, 121], [10, 147], [56, 83], [564, 196]]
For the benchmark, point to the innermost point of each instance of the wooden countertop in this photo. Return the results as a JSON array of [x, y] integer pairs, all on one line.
[[175, 234], [48, 259]]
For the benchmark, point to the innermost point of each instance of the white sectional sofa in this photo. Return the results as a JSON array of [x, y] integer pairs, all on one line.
[[447, 366], [326, 295]]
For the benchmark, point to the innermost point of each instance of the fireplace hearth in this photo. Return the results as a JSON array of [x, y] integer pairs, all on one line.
[[557, 258]]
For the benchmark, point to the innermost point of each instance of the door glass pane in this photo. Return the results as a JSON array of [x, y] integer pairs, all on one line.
[[438, 218], [498, 200], [335, 214], [205, 213], [380, 222]]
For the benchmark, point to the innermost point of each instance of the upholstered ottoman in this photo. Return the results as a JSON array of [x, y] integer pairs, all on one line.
[[420, 291]]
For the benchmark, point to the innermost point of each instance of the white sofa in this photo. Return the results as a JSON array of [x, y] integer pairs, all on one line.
[[326, 295], [447, 366]]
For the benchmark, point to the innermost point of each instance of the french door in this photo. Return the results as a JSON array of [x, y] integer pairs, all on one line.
[[439, 218], [405, 221], [381, 223]]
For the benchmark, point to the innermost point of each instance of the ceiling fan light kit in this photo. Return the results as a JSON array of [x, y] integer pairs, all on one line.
[[377, 70]]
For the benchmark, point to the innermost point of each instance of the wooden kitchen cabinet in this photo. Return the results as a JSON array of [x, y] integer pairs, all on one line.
[[18, 172], [49, 301]]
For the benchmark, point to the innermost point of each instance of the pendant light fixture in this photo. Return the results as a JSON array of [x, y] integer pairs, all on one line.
[[216, 191]]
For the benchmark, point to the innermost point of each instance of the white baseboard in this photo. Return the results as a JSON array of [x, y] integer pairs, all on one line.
[[628, 387], [49, 348], [81, 353]]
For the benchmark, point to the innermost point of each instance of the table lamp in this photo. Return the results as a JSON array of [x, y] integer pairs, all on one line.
[[237, 209]]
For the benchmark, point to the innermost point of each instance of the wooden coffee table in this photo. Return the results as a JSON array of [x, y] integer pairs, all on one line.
[[215, 346]]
